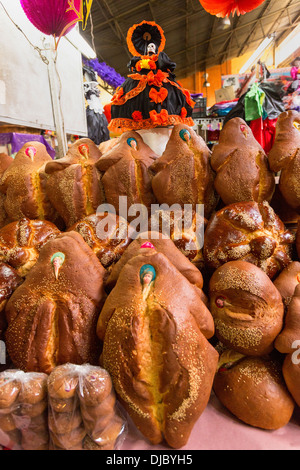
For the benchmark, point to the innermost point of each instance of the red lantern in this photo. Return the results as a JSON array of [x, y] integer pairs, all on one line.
[[56, 17], [222, 8]]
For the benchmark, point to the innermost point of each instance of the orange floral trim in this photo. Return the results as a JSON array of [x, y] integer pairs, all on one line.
[[131, 30], [132, 93], [158, 96], [154, 79], [120, 125]]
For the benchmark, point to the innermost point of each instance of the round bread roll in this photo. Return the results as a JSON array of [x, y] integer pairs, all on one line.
[[287, 281], [248, 231], [7, 422], [63, 382], [94, 386], [93, 424], [63, 423], [298, 239], [67, 405], [69, 440], [9, 388], [290, 334], [110, 434], [33, 410], [105, 408], [32, 440], [247, 308], [33, 388], [253, 389], [291, 373]]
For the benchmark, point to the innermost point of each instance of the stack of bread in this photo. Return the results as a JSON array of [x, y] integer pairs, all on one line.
[[152, 321]]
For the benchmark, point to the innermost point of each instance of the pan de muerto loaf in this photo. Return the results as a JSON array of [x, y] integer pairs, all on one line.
[[247, 308], [183, 175], [249, 231], [52, 316], [73, 185], [284, 156], [241, 165], [161, 364]]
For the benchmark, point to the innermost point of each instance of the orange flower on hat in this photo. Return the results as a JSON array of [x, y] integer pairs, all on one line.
[[137, 116], [158, 96]]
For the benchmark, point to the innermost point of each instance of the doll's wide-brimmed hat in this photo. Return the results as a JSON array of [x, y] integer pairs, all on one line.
[[142, 34]]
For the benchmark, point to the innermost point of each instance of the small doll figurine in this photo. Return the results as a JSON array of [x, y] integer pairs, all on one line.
[[150, 97]]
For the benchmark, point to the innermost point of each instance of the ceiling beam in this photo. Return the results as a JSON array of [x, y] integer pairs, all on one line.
[[184, 71], [224, 34]]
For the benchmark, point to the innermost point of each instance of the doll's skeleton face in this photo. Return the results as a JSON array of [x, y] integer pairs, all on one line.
[[151, 49]]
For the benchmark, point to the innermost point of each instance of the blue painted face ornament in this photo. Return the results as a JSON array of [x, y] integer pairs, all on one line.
[[132, 143], [185, 135], [147, 274]]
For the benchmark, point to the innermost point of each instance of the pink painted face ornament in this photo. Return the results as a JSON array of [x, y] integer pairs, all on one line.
[[244, 130], [147, 245], [30, 152]]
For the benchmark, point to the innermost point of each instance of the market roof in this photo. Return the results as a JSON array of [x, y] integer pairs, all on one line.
[[195, 39]]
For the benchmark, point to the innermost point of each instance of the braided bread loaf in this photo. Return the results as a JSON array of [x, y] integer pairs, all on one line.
[[249, 231], [22, 240], [108, 235]]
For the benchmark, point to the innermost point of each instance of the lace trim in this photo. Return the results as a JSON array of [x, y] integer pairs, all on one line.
[[119, 125]]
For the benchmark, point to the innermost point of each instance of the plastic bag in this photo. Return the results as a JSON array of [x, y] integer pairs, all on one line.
[[23, 410], [83, 414], [254, 100]]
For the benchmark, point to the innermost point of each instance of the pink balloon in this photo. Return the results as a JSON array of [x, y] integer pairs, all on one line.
[[51, 16]]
